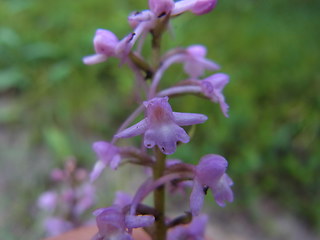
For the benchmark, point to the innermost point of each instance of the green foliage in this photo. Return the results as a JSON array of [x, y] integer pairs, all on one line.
[[269, 48]]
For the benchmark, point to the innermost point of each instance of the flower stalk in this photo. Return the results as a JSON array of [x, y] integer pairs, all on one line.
[[159, 195]]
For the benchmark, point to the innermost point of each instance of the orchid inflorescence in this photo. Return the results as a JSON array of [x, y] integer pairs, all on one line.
[[161, 128]]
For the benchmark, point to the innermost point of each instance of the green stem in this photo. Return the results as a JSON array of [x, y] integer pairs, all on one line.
[[159, 196], [156, 46]]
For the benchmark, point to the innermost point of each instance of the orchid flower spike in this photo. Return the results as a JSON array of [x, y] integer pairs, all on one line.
[[210, 173], [161, 126], [161, 7], [108, 155], [114, 224], [105, 43], [193, 231], [198, 7], [212, 88]]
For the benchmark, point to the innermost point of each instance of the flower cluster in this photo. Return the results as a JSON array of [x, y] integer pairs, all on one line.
[[65, 206], [161, 128]]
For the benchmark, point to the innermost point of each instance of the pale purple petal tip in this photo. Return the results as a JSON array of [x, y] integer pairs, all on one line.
[[185, 119], [94, 59], [196, 198], [203, 6], [97, 170], [115, 162], [213, 86], [222, 191], [134, 130]]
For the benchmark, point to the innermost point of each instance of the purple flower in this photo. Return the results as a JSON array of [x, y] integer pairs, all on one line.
[[161, 126], [161, 7], [212, 87], [197, 7], [210, 173], [105, 43], [193, 231], [114, 224], [203, 6], [108, 155], [196, 63], [111, 223]]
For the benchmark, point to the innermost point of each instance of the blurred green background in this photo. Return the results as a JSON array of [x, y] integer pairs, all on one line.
[[52, 106]]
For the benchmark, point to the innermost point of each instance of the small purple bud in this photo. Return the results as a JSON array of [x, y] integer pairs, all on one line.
[[161, 7], [197, 7], [57, 175], [48, 200], [203, 6], [105, 43]]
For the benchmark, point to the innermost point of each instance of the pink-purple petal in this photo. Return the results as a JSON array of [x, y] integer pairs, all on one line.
[[222, 191], [196, 198], [94, 59], [210, 169], [185, 119], [135, 130], [203, 6], [97, 170]]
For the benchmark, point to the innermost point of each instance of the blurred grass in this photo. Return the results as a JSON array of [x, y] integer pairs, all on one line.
[[269, 48]]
